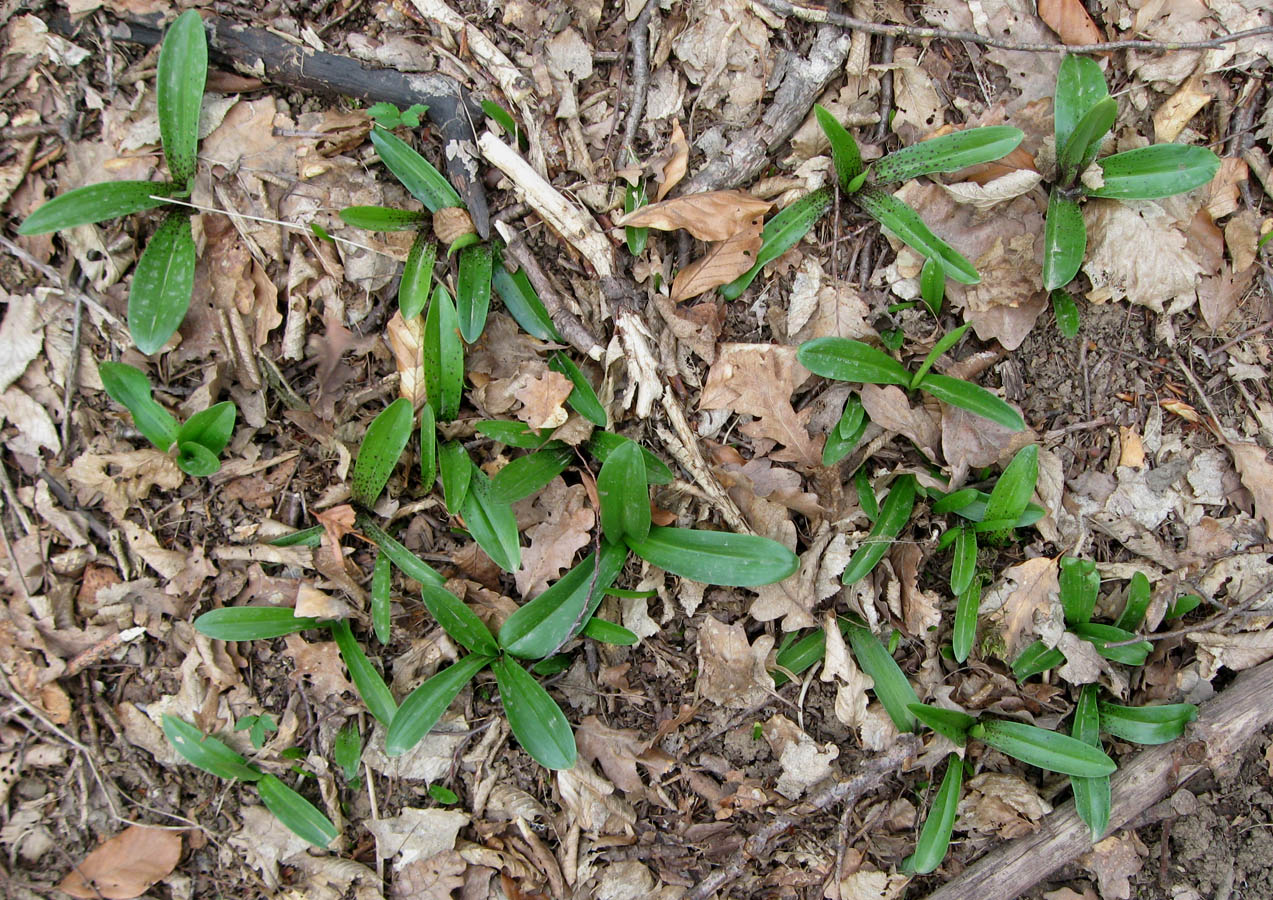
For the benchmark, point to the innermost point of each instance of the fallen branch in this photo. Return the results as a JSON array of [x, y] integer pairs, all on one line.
[[1225, 724]]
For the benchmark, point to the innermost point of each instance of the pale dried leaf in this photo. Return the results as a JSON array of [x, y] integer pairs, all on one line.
[[1138, 253], [1025, 590], [589, 799], [1071, 22], [731, 670], [406, 339], [1234, 652], [21, 337], [543, 398], [1257, 476], [889, 407], [917, 102], [724, 262], [451, 223], [920, 608], [320, 663], [1113, 861], [713, 216], [992, 193], [675, 168], [1223, 188], [126, 865], [852, 683], [1171, 118], [35, 428], [616, 749], [1002, 804], [122, 479], [969, 440], [416, 834], [311, 602], [870, 885], [566, 528], [434, 878]]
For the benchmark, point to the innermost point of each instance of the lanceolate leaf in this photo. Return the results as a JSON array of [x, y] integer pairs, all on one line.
[[948, 153], [844, 149], [523, 304], [399, 555], [906, 224], [624, 493], [950, 723], [457, 473], [964, 566], [1091, 795], [428, 447], [417, 277], [381, 582], [1085, 140], [129, 387], [417, 175], [527, 475], [780, 234], [934, 840], [183, 69], [1012, 491], [207, 753], [848, 360], [1138, 597], [491, 523], [426, 704], [894, 514], [210, 428], [443, 357], [583, 399], [196, 459], [975, 399], [948, 340], [534, 717], [603, 443], [716, 557], [162, 283], [609, 633], [1045, 749], [457, 620], [95, 203], [1080, 584], [1147, 724], [251, 623], [1064, 241], [371, 686], [1066, 312], [299, 815], [1036, 658], [382, 218], [891, 685], [966, 608], [845, 436], [1160, 170], [473, 290], [382, 446], [932, 284], [1101, 636], [1079, 86]]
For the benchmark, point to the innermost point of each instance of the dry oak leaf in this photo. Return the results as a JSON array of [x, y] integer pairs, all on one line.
[[617, 749], [542, 400], [724, 262], [731, 671], [890, 408], [321, 663], [676, 167], [713, 216], [122, 479], [1026, 589], [554, 541], [1256, 472], [126, 865], [1071, 22]]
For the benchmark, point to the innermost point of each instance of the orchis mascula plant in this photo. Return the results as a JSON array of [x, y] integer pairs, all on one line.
[[164, 277]]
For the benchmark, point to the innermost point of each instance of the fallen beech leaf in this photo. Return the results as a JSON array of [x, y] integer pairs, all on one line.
[[724, 262], [714, 216], [1171, 118], [992, 193], [677, 166], [542, 400], [1071, 22], [731, 670], [126, 865], [1257, 477], [1218, 295], [21, 337]]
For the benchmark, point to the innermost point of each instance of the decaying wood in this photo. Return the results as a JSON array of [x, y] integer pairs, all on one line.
[[1225, 724]]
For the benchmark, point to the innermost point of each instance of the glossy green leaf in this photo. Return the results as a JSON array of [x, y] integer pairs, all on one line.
[[963, 567], [534, 717], [417, 175], [975, 399], [1085, 140], [130, 388], [957, 500], [428, 447], [400, 556], [381, 448], [932, 284], [1139, 594], [300, 816], [491, 523], [197, 460], [457, 620], [799, 656], [211, 427], [1067, 314], [948, 153], [382, 218], [543, 624], [252, 623], [529, 474], [1045, 749], [866, 493], [162, 283], [634, 198], [1091, 795], [347, 749], [423, 707], [603, 443], [516, 434], [974, 510], [523, 304], [947, 340], [473, 290], [1036, 658], [1183, 606], [716, 557], [1102, 636], [504, 120], [780, 234], [417, 277], [894, 514], [909, 228], [463, 242], [967, 605], [443, 357], [891, 685], [950, 723], [1147, 724], [844, 149], [1080, 585], [182, 71], [95, 203], [934, 840], [305, 537], [1015, 486], [624, 494], [1079, 86], [848, 360], [1064, 241], [583, 399], [609, 633], [207, 753], [371, 686], [1161, 170], [381, 582], [847, 433]]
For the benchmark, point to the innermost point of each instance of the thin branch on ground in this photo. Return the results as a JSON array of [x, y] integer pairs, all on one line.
[[639, 41], [571, 326]]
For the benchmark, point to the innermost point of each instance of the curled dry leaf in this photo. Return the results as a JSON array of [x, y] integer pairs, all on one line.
[[126, 865], [542, 400], [724, 262], [1171, 118], [1257, 476], [1002, 804], [1114, 861], [714, 216], [731, 670], [1070, 21], [406, 339], [451, 223], [675, 168], [1138, 253]]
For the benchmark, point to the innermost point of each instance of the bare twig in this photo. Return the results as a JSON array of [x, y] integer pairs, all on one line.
[[571, 326], [639, 41], [1210, 625], [822, 17], [55, 277], [886, 89], [72, 376]]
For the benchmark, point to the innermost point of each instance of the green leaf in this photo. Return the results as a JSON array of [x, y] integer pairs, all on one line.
[[542, 625], [381, 582], [305, 537], [1036, 658], [491, 523], [183, 69], [534, 717], [95, 203], [780, 234], [1157, 171], [516, 434], [894, 514], [583, 399], [1101, 636], [382, 218], [417, 277], [1183, 606], [473, 290], [252, 623], [1079, 86], [400, 556], [385, 114], [1147, 724], [948, 153], [428, 447], [957, 500], [609, 633], [1066, 312], [197, 460], [934, 840], [974, 510], [460, 622], [130, 388], [977, 400], [426, 704], [948, 340], [624, 494], [300, 816], [891, 686], [966, 608], [382, 446], [207, 753], [1079, 586], [417, 175], [866, 494], [1015, 486], [162, 283], [603, 443], [1045, 749], [932, 284], [964, 566], [716, 557], [371, 686], [463, 242], [634, 197], [1085, 140], [443, 357], [523, 304], [347, 749], [504, 120], [443, 795], [529, 474], [844, 149], [845, 436], [909, 228], [211, 427], [849, 360], [950, 723], [1091, 795], [799, 656], [1064, 241]]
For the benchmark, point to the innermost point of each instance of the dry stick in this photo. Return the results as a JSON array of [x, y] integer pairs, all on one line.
[[72, 377], [571, 326], [822, 17], [1225, 724], [639, 40], [872, 774]]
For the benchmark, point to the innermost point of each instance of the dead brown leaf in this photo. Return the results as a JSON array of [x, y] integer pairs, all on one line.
[[1071, 22], [337, 522], [724, 262], [713, 216], [1171, 118], [1113, 861], [126, 865], [616, 749], [122, 479], [1138, 254], [320, 662], [1256, 472], [435, 878], [675, 168], [1223, 189], [406, 339], [1002, 804], [1026, 589], [543, 398], [969, 440], [890, 408], [554, 541], [731, 670]]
